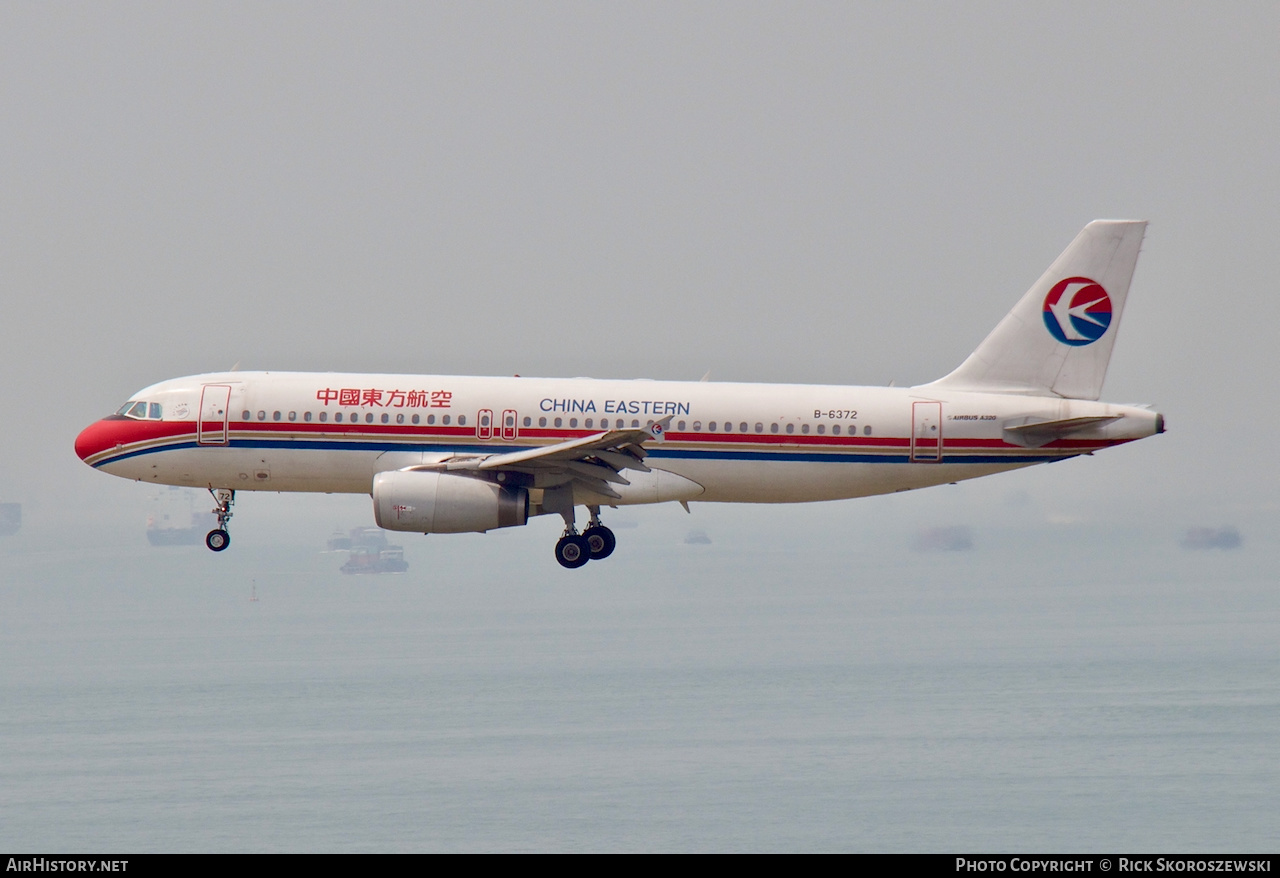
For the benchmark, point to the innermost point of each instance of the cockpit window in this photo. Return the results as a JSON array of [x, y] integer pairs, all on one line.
[[142, 410]]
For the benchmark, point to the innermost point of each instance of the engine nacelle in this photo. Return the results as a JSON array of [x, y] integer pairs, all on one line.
[[441, 503]]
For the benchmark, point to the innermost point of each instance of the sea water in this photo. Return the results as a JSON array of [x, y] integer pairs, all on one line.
[[737, 696]]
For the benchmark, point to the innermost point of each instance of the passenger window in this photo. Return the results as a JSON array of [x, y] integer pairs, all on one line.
[[324, 416], [338, 417], [511, 421], [712, 426], [804, 428], [431, 419], [742, 428], [588, 422], [573, 422], [558, 421], [400, 419], [680, 426], [275, 416], [415, 418], [866, 431], [604, 423], [542, 422], [759, 428], [462, 420], [635, 423], [791, 428], [368, 419], [697, 426], [822, 428], [245, 415], [306, 416], [262, 416], [386, 418], [445, 420], [836, 429], [293, 416], [773, 428], [528, 421]]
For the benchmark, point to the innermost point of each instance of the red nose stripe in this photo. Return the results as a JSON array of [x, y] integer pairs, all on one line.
[[117, 431]]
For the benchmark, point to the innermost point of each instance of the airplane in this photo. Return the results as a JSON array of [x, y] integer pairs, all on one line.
[[442, 454]]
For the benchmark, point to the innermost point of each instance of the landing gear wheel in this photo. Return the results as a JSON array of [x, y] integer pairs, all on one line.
[[600, 541], [217, 539], [572, 551]]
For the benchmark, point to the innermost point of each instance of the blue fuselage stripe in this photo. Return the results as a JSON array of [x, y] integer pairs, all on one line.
[[691, 454]]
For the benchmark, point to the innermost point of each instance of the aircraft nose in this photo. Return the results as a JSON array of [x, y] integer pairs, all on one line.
[[94, 439]]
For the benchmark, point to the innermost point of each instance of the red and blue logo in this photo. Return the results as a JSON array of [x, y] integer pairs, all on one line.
[[1077, 311]]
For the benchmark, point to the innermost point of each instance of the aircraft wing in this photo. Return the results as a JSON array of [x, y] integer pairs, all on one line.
[[594, 461]]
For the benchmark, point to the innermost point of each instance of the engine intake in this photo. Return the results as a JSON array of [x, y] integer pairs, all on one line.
[[442, 503]]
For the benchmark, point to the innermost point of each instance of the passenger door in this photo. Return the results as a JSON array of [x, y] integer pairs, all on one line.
[[211, 428], [926, 432]]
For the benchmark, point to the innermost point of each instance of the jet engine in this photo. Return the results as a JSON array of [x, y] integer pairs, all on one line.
[[442, 503]]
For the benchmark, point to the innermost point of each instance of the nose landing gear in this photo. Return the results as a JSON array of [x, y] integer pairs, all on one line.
[[219, 538]]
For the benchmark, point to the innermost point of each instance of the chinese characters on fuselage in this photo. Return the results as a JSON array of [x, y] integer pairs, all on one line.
[[398, 399]]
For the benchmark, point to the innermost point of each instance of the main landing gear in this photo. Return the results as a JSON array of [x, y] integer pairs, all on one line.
[[219, 538], [594, 544]]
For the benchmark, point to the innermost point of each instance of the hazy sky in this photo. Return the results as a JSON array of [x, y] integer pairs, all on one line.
[[798, 192]]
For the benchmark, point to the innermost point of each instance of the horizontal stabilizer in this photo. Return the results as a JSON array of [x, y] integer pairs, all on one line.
[[1038, 433]]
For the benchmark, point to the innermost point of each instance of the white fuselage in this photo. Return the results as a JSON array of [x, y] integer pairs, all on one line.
[[745, 443]]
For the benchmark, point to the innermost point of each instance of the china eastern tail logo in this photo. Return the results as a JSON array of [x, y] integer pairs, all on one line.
[[1077, 311]]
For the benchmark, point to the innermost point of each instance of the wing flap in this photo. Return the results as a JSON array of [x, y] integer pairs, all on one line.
[[596, 471], [621, 460]]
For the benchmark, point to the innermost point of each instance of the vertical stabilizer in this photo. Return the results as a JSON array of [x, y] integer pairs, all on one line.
[[1057, 340]]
